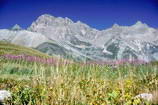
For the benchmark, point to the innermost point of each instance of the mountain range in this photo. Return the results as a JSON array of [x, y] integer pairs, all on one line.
[[69, 39]]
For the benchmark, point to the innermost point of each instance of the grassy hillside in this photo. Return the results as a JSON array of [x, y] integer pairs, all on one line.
[[7, 48], [22, 62], [50, 82]]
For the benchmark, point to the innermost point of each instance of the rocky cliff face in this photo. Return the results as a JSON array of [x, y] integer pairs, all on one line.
[[62, 36]]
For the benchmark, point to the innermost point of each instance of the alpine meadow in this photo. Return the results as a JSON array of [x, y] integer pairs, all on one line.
[[74, 61]]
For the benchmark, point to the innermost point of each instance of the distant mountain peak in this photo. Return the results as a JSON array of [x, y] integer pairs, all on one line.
[[81, 24], [50, 20], [140, 24], [45, 19], [68, 20], [115, 25], [45, 16], [16, 27], [66, 37]]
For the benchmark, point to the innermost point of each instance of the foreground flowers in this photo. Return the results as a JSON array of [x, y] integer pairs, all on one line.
[[50, 61], [53, 61]]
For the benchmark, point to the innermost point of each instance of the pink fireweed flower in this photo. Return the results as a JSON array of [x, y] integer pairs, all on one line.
[[30, 58]]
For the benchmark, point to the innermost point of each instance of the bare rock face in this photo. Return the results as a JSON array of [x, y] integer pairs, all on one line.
[[4, 94], [145, 96], [138, 41], [152, 98]]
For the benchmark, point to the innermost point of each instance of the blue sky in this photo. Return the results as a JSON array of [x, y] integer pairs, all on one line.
[[99, 14]]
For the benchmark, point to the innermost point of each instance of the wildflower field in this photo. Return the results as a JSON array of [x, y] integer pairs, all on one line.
[[34, 78]]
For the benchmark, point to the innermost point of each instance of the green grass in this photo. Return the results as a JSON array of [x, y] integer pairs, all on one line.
[[7, 48], [74, 84]]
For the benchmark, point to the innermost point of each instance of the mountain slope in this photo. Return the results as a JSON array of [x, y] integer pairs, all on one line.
[[62, 36], [22, 37], [7, 48], [58, 50], [57, 28]]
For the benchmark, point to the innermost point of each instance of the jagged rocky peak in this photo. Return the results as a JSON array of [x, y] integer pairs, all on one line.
[[139, 24], [68, 20], [49, 20], [45, 18], [16, 27], [115, 25], [114, 29], [121, 42], [82, 24]]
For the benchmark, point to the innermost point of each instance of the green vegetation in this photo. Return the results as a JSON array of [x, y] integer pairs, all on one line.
[[7, 48], [34, 83]]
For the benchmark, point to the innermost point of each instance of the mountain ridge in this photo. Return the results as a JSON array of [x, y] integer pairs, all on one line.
[[80, 40]]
